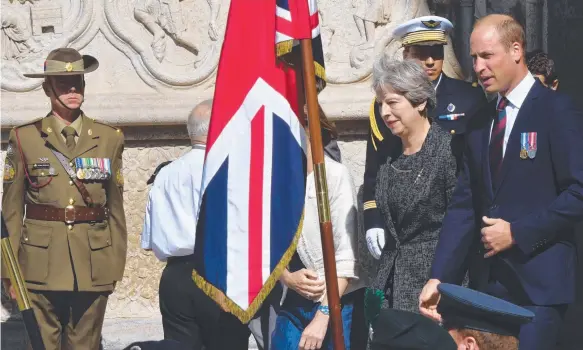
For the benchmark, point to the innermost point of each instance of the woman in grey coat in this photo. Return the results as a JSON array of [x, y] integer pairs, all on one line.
[[413, 187]]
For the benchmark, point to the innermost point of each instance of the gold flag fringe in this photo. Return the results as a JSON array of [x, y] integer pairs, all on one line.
[[284, 47], [230, 306]]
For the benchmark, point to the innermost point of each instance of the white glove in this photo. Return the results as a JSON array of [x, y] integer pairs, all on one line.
[[375, 240]]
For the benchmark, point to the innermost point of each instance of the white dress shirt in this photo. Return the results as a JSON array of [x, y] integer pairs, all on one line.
[[173, 205], [515, 98]]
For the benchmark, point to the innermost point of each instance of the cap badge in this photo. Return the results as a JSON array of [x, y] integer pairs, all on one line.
[[431, 23], [68, 67]]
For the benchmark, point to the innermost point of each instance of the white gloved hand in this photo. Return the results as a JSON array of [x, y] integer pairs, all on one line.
[[375, 240]]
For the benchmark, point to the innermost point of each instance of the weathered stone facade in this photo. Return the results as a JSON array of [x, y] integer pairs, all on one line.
[[157, 60]]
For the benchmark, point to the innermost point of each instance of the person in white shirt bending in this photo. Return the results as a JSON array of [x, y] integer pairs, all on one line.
[[189, 316]]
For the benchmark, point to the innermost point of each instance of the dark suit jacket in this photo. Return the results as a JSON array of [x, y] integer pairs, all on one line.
[[542, 198], [456, 95]]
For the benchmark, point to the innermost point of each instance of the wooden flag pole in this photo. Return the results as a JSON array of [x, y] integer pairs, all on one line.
[[322, 193]]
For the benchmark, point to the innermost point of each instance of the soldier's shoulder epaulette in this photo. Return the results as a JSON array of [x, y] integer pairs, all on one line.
[[157, 171], [105, 124], [32, 122]]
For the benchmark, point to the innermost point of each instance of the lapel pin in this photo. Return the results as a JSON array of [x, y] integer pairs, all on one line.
[[450, 108], [49, 130]]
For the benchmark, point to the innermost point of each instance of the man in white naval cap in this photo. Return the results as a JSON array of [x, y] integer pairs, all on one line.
[[423, 39]]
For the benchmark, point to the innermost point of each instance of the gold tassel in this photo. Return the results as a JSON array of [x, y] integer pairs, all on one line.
[[230, 306]]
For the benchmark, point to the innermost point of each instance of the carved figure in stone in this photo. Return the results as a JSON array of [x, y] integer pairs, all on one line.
[[326, 33], [165, 17], [377, 19], [369, 14], [17, 41]]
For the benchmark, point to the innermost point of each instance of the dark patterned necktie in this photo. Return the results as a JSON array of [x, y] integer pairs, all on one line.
[[497, 139], [69, 133]]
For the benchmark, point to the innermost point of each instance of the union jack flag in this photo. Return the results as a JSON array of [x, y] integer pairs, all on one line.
[[254, 174], [297, 19]]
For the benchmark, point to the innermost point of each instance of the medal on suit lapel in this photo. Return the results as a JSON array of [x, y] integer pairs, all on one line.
[[532, 145], [523, 145]]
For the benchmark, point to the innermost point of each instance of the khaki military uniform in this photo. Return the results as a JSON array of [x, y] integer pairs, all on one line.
[[70, 258]]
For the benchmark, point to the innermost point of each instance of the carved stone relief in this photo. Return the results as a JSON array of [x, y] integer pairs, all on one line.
[[353, 47], [177, 42], [32, 28]]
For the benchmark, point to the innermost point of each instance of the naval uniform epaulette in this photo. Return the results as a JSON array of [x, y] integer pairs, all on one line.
[[157, 171]]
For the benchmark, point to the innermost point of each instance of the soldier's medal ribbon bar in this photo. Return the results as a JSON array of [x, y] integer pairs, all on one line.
[[93, 168]]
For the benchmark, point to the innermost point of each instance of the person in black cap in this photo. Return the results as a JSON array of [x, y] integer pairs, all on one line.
[[397, 329], [479, 321]]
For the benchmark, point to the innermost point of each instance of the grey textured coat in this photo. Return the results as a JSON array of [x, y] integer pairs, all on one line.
[[412, 236]]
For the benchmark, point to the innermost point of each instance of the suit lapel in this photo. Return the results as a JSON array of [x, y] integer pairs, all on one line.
[[512, 153], [52, 136], [87, 140]]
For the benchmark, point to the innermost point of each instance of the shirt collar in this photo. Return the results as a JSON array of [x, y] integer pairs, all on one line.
[[517, 96], [76, 124]]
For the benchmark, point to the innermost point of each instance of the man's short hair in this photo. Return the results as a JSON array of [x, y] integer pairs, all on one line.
[[509, 29], [539, 63], [490, 341], [199, 119]]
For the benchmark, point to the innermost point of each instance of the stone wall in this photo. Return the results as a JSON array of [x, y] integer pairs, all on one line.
[[157, 60]]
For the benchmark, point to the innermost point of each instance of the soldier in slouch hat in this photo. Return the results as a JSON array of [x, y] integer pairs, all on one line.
[[63, 205]]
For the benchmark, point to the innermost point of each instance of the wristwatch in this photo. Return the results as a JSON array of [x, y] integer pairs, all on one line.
[[324, 309]]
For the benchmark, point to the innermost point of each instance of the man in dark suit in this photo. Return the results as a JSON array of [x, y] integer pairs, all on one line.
[[423, 39], [519, 196]]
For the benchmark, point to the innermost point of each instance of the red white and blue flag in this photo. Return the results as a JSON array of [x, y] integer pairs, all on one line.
[[297, 19], [255, 168]]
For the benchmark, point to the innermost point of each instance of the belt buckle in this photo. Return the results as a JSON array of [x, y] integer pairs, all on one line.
[[69, 208]]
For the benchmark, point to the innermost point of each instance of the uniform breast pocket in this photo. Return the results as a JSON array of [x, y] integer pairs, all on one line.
[[41, 174], [102, 257], [96, 189], [34, 254], [42, 170]]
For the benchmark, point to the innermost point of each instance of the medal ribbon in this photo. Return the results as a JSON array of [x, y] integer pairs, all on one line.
[[524, 140], [532, 141]]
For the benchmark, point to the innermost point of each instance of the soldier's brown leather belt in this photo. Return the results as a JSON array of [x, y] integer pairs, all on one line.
[[71, 214]]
